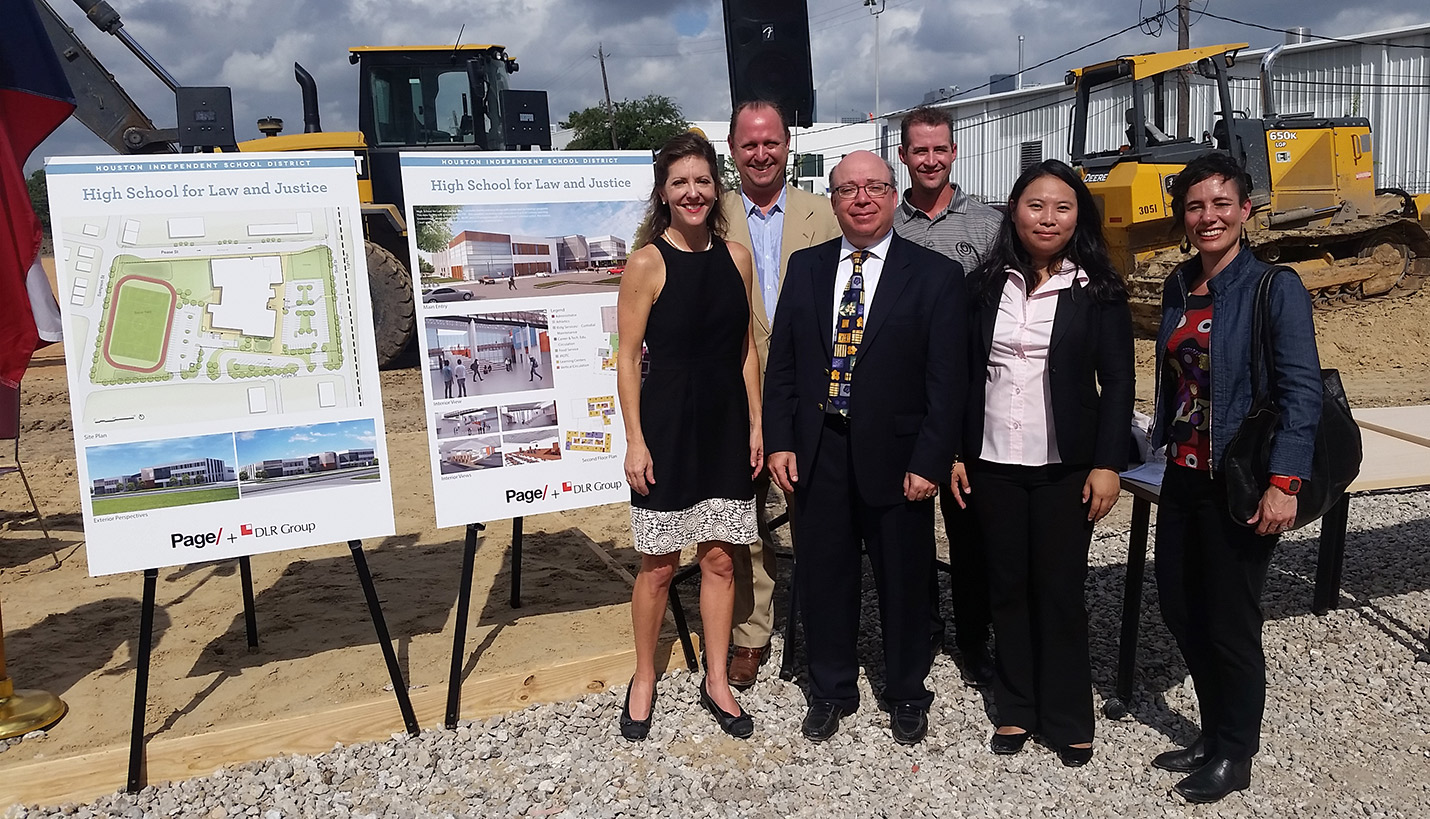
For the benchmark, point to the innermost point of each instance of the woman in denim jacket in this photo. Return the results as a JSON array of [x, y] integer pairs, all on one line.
[[1210, 568]]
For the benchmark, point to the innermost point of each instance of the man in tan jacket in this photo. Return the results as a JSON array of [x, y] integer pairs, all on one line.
[[773, 219]]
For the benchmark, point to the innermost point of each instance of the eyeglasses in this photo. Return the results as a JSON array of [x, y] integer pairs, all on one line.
[[874, 189]]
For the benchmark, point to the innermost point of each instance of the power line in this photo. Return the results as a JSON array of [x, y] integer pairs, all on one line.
[[1317, 36]]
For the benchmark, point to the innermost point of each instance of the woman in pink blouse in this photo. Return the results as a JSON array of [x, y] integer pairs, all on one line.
[[1053, 370]]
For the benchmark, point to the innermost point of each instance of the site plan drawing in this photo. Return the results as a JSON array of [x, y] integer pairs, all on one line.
[[211, 301], [236, 314]]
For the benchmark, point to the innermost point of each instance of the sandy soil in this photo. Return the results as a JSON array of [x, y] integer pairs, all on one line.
[[76, 636]]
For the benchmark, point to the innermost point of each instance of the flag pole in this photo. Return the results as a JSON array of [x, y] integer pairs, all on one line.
[[28, 710]]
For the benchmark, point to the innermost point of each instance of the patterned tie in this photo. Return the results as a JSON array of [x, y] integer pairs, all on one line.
[[848, 335]]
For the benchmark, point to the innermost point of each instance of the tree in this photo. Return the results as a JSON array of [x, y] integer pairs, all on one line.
[[39, 197], [643, 124], [243, 474], [425, 267], [434, 226]]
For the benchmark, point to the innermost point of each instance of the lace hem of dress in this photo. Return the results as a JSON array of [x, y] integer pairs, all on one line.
[[659, 533]]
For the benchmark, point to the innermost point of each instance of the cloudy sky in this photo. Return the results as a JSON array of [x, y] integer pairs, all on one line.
[[675, 47]]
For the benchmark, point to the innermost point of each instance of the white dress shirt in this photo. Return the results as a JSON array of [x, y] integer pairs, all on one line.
[[1018, 424], [873, 266]]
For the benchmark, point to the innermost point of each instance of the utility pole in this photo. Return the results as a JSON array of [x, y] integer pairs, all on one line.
[[1184, 90], [610, 112]]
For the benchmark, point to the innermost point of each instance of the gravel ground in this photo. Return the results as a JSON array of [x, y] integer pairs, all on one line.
[[1347, 729]]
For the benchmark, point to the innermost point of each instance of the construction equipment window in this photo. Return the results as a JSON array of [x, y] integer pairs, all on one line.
[[421, 106]]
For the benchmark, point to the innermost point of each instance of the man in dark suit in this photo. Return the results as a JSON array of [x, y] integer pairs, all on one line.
[[864, 396]]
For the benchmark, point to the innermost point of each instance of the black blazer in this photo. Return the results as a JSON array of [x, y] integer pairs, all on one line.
[[1091, 345], [910, 381]]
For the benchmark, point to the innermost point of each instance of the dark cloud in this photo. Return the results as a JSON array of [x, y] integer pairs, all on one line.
[[923, 44]]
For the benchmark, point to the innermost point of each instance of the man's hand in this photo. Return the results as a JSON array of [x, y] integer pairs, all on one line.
[[916, 488], [782, 470]]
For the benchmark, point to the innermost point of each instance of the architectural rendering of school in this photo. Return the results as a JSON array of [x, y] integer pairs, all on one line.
[[164, 476], [308, 464], [474, 253]]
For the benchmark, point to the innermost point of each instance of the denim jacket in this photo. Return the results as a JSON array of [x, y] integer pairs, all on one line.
[[1296, 382]]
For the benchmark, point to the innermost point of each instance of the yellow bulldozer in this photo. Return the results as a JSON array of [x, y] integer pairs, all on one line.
[[410, 98], [1315, 205]]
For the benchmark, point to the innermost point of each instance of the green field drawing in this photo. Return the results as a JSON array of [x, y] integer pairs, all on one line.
[[139, 329], [314, 263], [140, 501]]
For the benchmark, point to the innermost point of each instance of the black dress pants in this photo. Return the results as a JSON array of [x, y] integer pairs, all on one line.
[[1210, 573], [831, 521], [968, 576], [1036, 534]]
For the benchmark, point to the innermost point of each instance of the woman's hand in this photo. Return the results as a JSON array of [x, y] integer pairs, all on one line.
[[958, 481], [1275, 514], [1100, 492], [757, 452], [640, 472]]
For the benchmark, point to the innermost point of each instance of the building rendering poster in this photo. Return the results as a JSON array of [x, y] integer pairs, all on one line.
[[520, 258], [222, 373]]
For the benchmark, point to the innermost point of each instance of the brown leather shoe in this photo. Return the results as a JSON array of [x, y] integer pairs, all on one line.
[[745, 665]]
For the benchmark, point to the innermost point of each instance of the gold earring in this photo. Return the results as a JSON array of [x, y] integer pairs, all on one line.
[[1186, 245]]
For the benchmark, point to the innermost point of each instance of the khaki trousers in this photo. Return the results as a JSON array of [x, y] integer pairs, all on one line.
[[754, 617]]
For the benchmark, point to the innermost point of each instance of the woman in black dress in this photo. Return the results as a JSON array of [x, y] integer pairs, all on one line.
[[693, 439]]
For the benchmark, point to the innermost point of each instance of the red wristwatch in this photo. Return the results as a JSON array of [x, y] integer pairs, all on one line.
[[1290, 484]]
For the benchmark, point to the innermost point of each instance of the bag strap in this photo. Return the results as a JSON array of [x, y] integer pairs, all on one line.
[[1263, 349]]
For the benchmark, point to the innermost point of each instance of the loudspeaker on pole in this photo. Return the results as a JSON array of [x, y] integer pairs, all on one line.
[[767, 48]]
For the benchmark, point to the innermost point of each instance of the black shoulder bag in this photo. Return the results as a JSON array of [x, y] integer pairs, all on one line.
[[1248, 455]]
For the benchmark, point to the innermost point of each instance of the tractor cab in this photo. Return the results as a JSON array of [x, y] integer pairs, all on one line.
[[440, 98], [1133, 89]]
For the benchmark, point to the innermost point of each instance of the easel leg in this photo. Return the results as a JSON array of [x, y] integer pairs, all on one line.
[[459, 638], [682, 628], [374, 607], [1116, 708], [250, 617], [791, 612], [516, 563], [1332, 555], [141, 682]]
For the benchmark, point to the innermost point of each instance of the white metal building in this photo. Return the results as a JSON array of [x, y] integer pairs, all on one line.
[[1377, 78]]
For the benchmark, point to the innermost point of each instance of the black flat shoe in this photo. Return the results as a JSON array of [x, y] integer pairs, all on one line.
[[1074, 757], [740, 726], [1008, 744], [822, 720], [1214, 780], [636, 729], [1184, 760], [909, 723]]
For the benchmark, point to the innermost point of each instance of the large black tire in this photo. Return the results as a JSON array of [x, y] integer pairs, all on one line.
[[393, 316]]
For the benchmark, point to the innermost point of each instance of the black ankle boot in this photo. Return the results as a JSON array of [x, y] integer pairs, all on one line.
[[1185, 760], [1214, 780]]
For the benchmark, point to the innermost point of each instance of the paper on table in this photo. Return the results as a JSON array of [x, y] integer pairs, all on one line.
[[1148, 473]]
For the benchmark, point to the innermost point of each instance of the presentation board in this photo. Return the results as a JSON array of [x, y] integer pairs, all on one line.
[[521, 257], [218, 336]]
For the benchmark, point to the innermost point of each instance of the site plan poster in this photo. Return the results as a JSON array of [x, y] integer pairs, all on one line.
[[521, 256], [218, 335]]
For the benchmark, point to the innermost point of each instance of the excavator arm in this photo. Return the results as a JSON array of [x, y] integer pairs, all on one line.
[[102, 104]]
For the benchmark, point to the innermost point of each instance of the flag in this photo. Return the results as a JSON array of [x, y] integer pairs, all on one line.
[[34, 99]]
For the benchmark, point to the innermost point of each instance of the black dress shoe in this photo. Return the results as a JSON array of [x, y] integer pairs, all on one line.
[[1214, 780], [739, 725], [822, 719], [977, 665], [1073, 756], [1184, 760], [909, 722], [1008, 744], [636, 729]]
